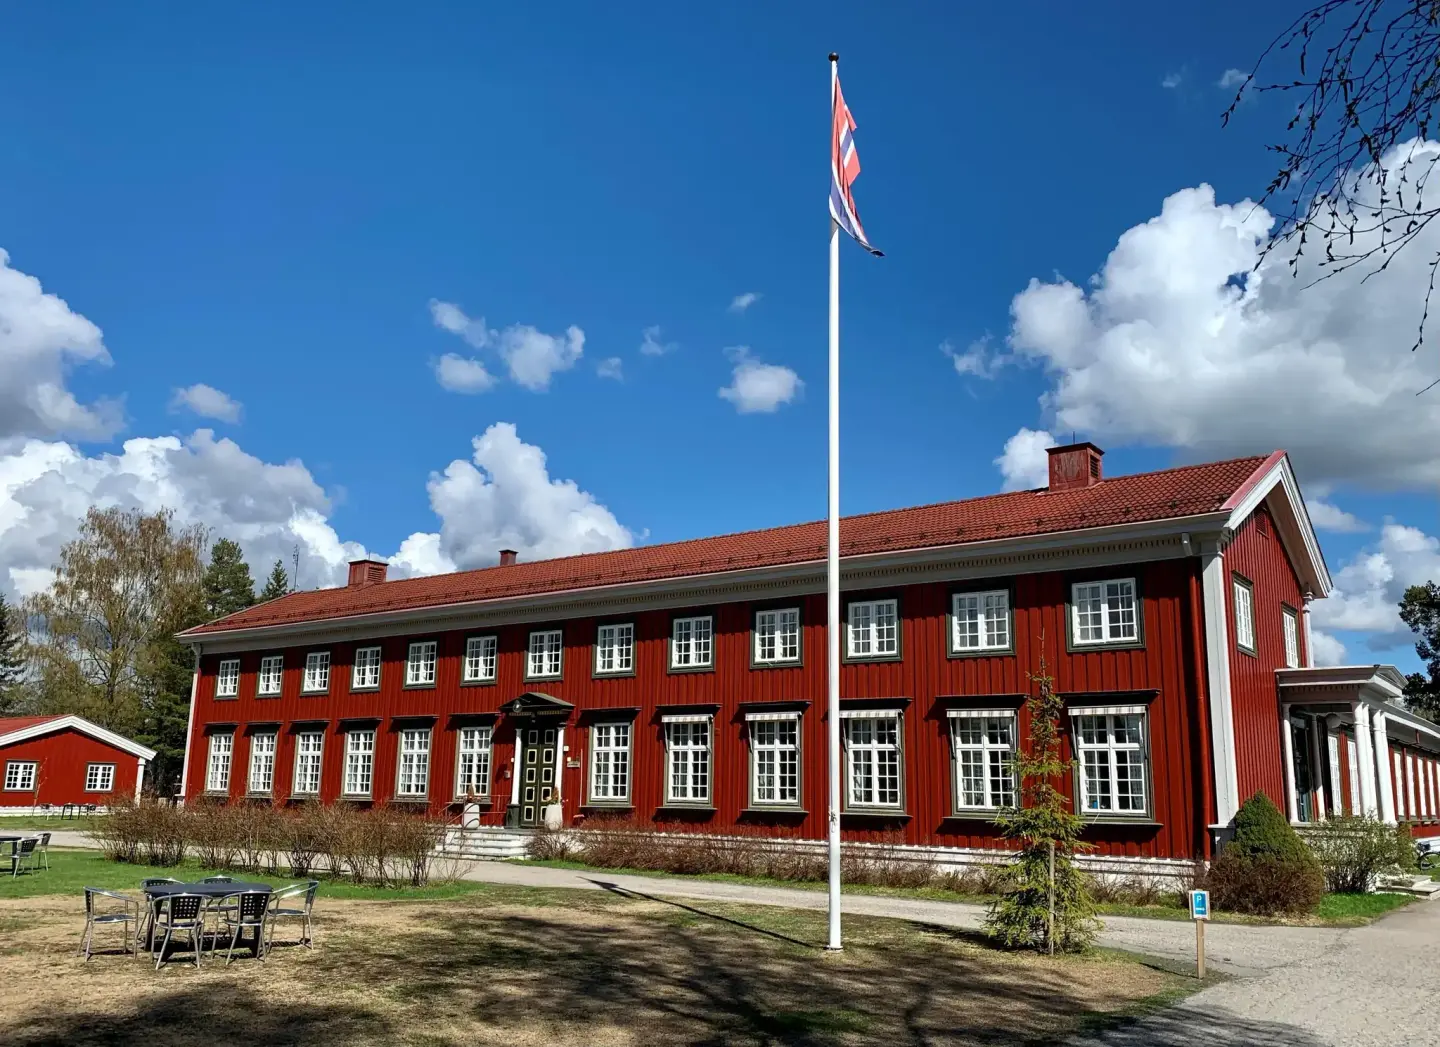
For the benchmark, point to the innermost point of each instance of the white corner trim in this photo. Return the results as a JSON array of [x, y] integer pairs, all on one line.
[[139, 777], [61, 723], [190, 724], [1217, 666], [1294, 527]]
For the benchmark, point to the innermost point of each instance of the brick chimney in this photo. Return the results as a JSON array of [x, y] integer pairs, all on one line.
[[366, 572], [507, 557], [1075, 465]]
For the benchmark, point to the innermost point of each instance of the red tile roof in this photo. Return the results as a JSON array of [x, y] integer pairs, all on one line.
[[1168, 494]]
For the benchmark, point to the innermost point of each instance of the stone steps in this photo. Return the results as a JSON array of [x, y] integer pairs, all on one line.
[[1418, 885], [484, 844]]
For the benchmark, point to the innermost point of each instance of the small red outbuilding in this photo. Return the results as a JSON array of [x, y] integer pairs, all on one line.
[[58, 760]]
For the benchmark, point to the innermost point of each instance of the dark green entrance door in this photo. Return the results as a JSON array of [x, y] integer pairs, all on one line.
[[537, 771]]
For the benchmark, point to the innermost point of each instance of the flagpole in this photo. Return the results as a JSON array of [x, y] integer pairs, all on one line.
[[832, 565]]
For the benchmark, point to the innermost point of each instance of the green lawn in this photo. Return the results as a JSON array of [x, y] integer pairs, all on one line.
[[34, 825]]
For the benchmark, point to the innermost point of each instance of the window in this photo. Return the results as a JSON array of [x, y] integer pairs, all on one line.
[[543, 659], [874, 630], [359, 762], [365, 675], [687, 758], [317, 671], [1397, 783], [615, 649], [774, 759], [980, 621], [420, 664], [472, 771], [217, 770], [272, 669], [777, 636], [610, 763], [227, 679], [262, 762], [692, 643], [480, 654], [1104, 612], [309, 747], [1292, 638], [413, 775], [1111, 748], [99, 777], [1352, 760], [1244, 615], [872, 749], [984, 747], [20, 776]]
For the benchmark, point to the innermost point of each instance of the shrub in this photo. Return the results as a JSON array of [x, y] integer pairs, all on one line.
[[161, 830], [119, 834], [1266, 870], [1405, 859], [1354, 851], [1261, 831]]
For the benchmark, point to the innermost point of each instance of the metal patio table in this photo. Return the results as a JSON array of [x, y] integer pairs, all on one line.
[[209, 890]]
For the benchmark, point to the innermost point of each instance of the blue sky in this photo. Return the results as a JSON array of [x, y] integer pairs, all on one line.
[[268, 200]]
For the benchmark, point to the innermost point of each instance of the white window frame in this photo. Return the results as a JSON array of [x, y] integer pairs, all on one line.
[[876, 748], [777, 636], [260, 780], [473, 757], [775, 751], [1243, 593], [359, 757], [610, 762], [227, 678], [482, 659], [545, 654], [422, 662], [1352, 761], [1112, 750], [412, 763], [690, 637], [309, 763], [1110, 632], [271, 677], [1290, 626], [865, 638], [615, 649], [366, 659], [20, 776], [681, 730], [218, 759], [995, 795], [317, 673], [99, 777], [989, 609]]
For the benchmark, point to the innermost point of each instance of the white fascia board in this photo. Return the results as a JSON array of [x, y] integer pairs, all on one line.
[[1224, 757], [61, 723], [1296, 531]]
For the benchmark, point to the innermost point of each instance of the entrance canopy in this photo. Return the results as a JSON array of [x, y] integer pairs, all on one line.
[[534, 703]]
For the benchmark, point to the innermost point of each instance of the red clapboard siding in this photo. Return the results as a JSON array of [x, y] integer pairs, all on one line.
[[63, 757]]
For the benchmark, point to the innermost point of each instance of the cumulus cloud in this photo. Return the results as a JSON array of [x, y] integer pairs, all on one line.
[[462, 374], [741, 302], [450, 317], [651, 343], [1327, 516], [1232, 78], [1172, 80], [611, 367], [531, 356], [756, 387], [1328, 649], [1024, 463], [979, 360], [207, 402], [1367, 591]]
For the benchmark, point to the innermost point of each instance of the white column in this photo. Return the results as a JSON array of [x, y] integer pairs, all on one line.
[[1381, 744], [515, 764], [1365, 761], [1287, 739], [1320, 760], [559, 763], [1217, 666], [1309, 656], [189, 728]]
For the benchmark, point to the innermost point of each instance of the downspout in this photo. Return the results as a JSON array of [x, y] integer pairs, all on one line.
[[189, 728], [1202, 721]]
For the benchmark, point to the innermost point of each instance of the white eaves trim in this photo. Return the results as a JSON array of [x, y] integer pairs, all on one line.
[[84, 726], [1292, 521]]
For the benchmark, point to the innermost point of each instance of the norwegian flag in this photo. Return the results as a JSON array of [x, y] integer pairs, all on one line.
[[844, 169]]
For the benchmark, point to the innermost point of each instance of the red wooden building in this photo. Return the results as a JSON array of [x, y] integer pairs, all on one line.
[[682, 686], [54, 761]]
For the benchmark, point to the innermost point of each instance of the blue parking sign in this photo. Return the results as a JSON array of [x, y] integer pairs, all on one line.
[[1199, 905]]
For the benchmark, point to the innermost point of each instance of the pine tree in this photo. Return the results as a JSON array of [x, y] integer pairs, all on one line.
[[12, 662], [1420, 610], [228, 585], [167, 672], [277, 585]]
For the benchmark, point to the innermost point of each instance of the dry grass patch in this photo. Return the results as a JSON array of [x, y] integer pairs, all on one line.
[[517, 966]]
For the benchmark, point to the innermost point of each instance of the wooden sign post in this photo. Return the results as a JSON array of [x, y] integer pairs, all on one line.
[[1200, 914]]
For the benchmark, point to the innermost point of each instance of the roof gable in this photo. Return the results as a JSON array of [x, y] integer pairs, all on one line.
[[30, 727]]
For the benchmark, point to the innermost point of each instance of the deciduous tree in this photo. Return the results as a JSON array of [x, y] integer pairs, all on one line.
[[1420, 610]]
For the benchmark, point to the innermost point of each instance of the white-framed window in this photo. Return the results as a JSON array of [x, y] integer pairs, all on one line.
[[262, 762], [1291, 622], [692, 642], [317, 671], [1110, 747], [359, 761], [309, 751], [980, 621], [480, 659], [543, 657], [615, 648], [983, 741], [774, 759], [472, 766], [1104, 612], [873, 629], [99, 777], [365, 674], [20, 776], [412, 772], [272, 671], [610, 762], [1244, 614], [687, 758], [420, 664], [777, 636], [217, 768], [227, 678], [873, 758]]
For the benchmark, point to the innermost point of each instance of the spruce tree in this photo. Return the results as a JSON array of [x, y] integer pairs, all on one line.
[[228, 585], [277, 585], [12, 661]]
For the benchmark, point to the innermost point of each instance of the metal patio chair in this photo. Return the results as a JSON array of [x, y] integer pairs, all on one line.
[[154, 881], [251, 912], [184, 913], [42, 851], [301, 911], [125, 916], [22, 855]]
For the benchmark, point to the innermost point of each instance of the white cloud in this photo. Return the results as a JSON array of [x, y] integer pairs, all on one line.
[[651, 345], [1367, 592], [450, 317], [1328, 650], [759, 388], [978, 360], [611, 367], [741, 302], [1172, 81], [462, 374], [1232, 78], [531, 356], [40, 340], [206, 401], [1024, 463], [1327, 516]]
